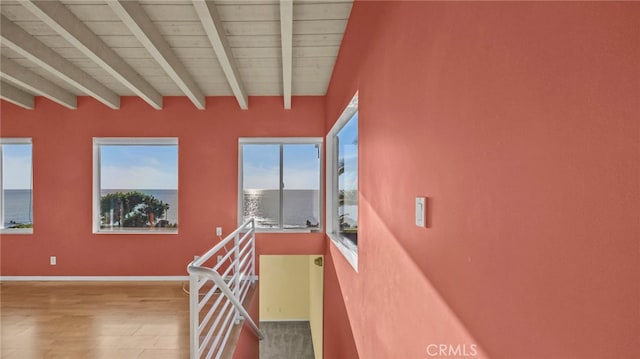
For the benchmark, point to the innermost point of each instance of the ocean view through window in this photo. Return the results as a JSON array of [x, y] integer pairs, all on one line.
[[347, 173], [280, 183], [342, 183], [135, 185], [16, 196]]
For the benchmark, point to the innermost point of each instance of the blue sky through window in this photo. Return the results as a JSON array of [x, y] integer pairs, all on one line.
[[348, 152], [261, 166], [16, 166], [301, 167], [139, 167]]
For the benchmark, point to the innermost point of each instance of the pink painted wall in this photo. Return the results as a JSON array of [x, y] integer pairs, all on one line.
[[337, 337], [208, 181], [248, 346], [521, 124]]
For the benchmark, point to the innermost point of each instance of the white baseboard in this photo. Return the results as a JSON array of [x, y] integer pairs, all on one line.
[[94, 278]]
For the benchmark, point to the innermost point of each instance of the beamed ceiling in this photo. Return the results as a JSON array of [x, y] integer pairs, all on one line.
[[155, 48]]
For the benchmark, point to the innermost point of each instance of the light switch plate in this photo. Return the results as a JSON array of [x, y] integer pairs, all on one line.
[[420, 211]]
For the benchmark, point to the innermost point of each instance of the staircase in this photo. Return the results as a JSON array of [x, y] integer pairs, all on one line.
[[221, 283]]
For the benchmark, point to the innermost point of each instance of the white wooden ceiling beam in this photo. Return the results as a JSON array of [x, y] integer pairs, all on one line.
[[286, 35], [134, 17], [16, 96], [35, 83], [67, 25], [215, 32], [28, 46]]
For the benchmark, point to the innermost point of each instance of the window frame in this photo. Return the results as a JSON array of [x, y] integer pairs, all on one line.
[[127, 141], [280, 141], [348, 249], [15, 141]]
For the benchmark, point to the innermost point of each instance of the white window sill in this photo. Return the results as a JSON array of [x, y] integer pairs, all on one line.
[[348, 250], [280, 230], [138, 231], [16, 231]]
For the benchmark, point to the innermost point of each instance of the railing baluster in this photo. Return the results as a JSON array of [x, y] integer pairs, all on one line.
[[241, 271], [236, 263], [194, 334], [253, 250]]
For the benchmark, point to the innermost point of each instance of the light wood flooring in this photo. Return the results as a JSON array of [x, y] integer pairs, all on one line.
[[94, 320]]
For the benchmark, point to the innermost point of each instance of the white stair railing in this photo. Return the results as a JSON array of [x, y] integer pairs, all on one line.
[[216, 293]]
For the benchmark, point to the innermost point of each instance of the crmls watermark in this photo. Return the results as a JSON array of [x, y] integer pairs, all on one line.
[[451, 350]]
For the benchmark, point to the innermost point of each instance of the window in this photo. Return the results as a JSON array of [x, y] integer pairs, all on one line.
[[280, 183], [16, 196], [135, 185], [342, 183]]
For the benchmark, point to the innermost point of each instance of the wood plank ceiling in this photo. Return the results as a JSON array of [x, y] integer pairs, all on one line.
[[155, 48]]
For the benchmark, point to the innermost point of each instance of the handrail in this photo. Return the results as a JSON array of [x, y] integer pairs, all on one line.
[[208, 272], [203, 258], [216, 309]]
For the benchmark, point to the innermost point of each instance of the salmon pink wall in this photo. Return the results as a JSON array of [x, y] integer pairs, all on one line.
[[337, 335], [208, 181], [248, 346], [520, 122]]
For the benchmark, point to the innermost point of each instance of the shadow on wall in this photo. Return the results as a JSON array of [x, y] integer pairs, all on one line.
[[398, 312]]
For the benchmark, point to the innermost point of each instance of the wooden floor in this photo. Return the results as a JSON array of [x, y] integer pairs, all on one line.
[[94, 320]]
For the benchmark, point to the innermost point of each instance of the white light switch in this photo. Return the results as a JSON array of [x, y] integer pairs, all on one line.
[[420, 211]]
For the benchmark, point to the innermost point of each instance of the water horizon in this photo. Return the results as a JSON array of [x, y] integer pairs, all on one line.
[[18, 207], [301, 207]]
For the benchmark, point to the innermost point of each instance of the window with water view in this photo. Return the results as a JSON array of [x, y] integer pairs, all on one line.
[[136, 185], [16, 196], [342, 183], [281, 183], [347, 181]]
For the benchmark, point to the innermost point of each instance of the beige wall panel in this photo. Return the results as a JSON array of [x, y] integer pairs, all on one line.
[[284, 288]]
